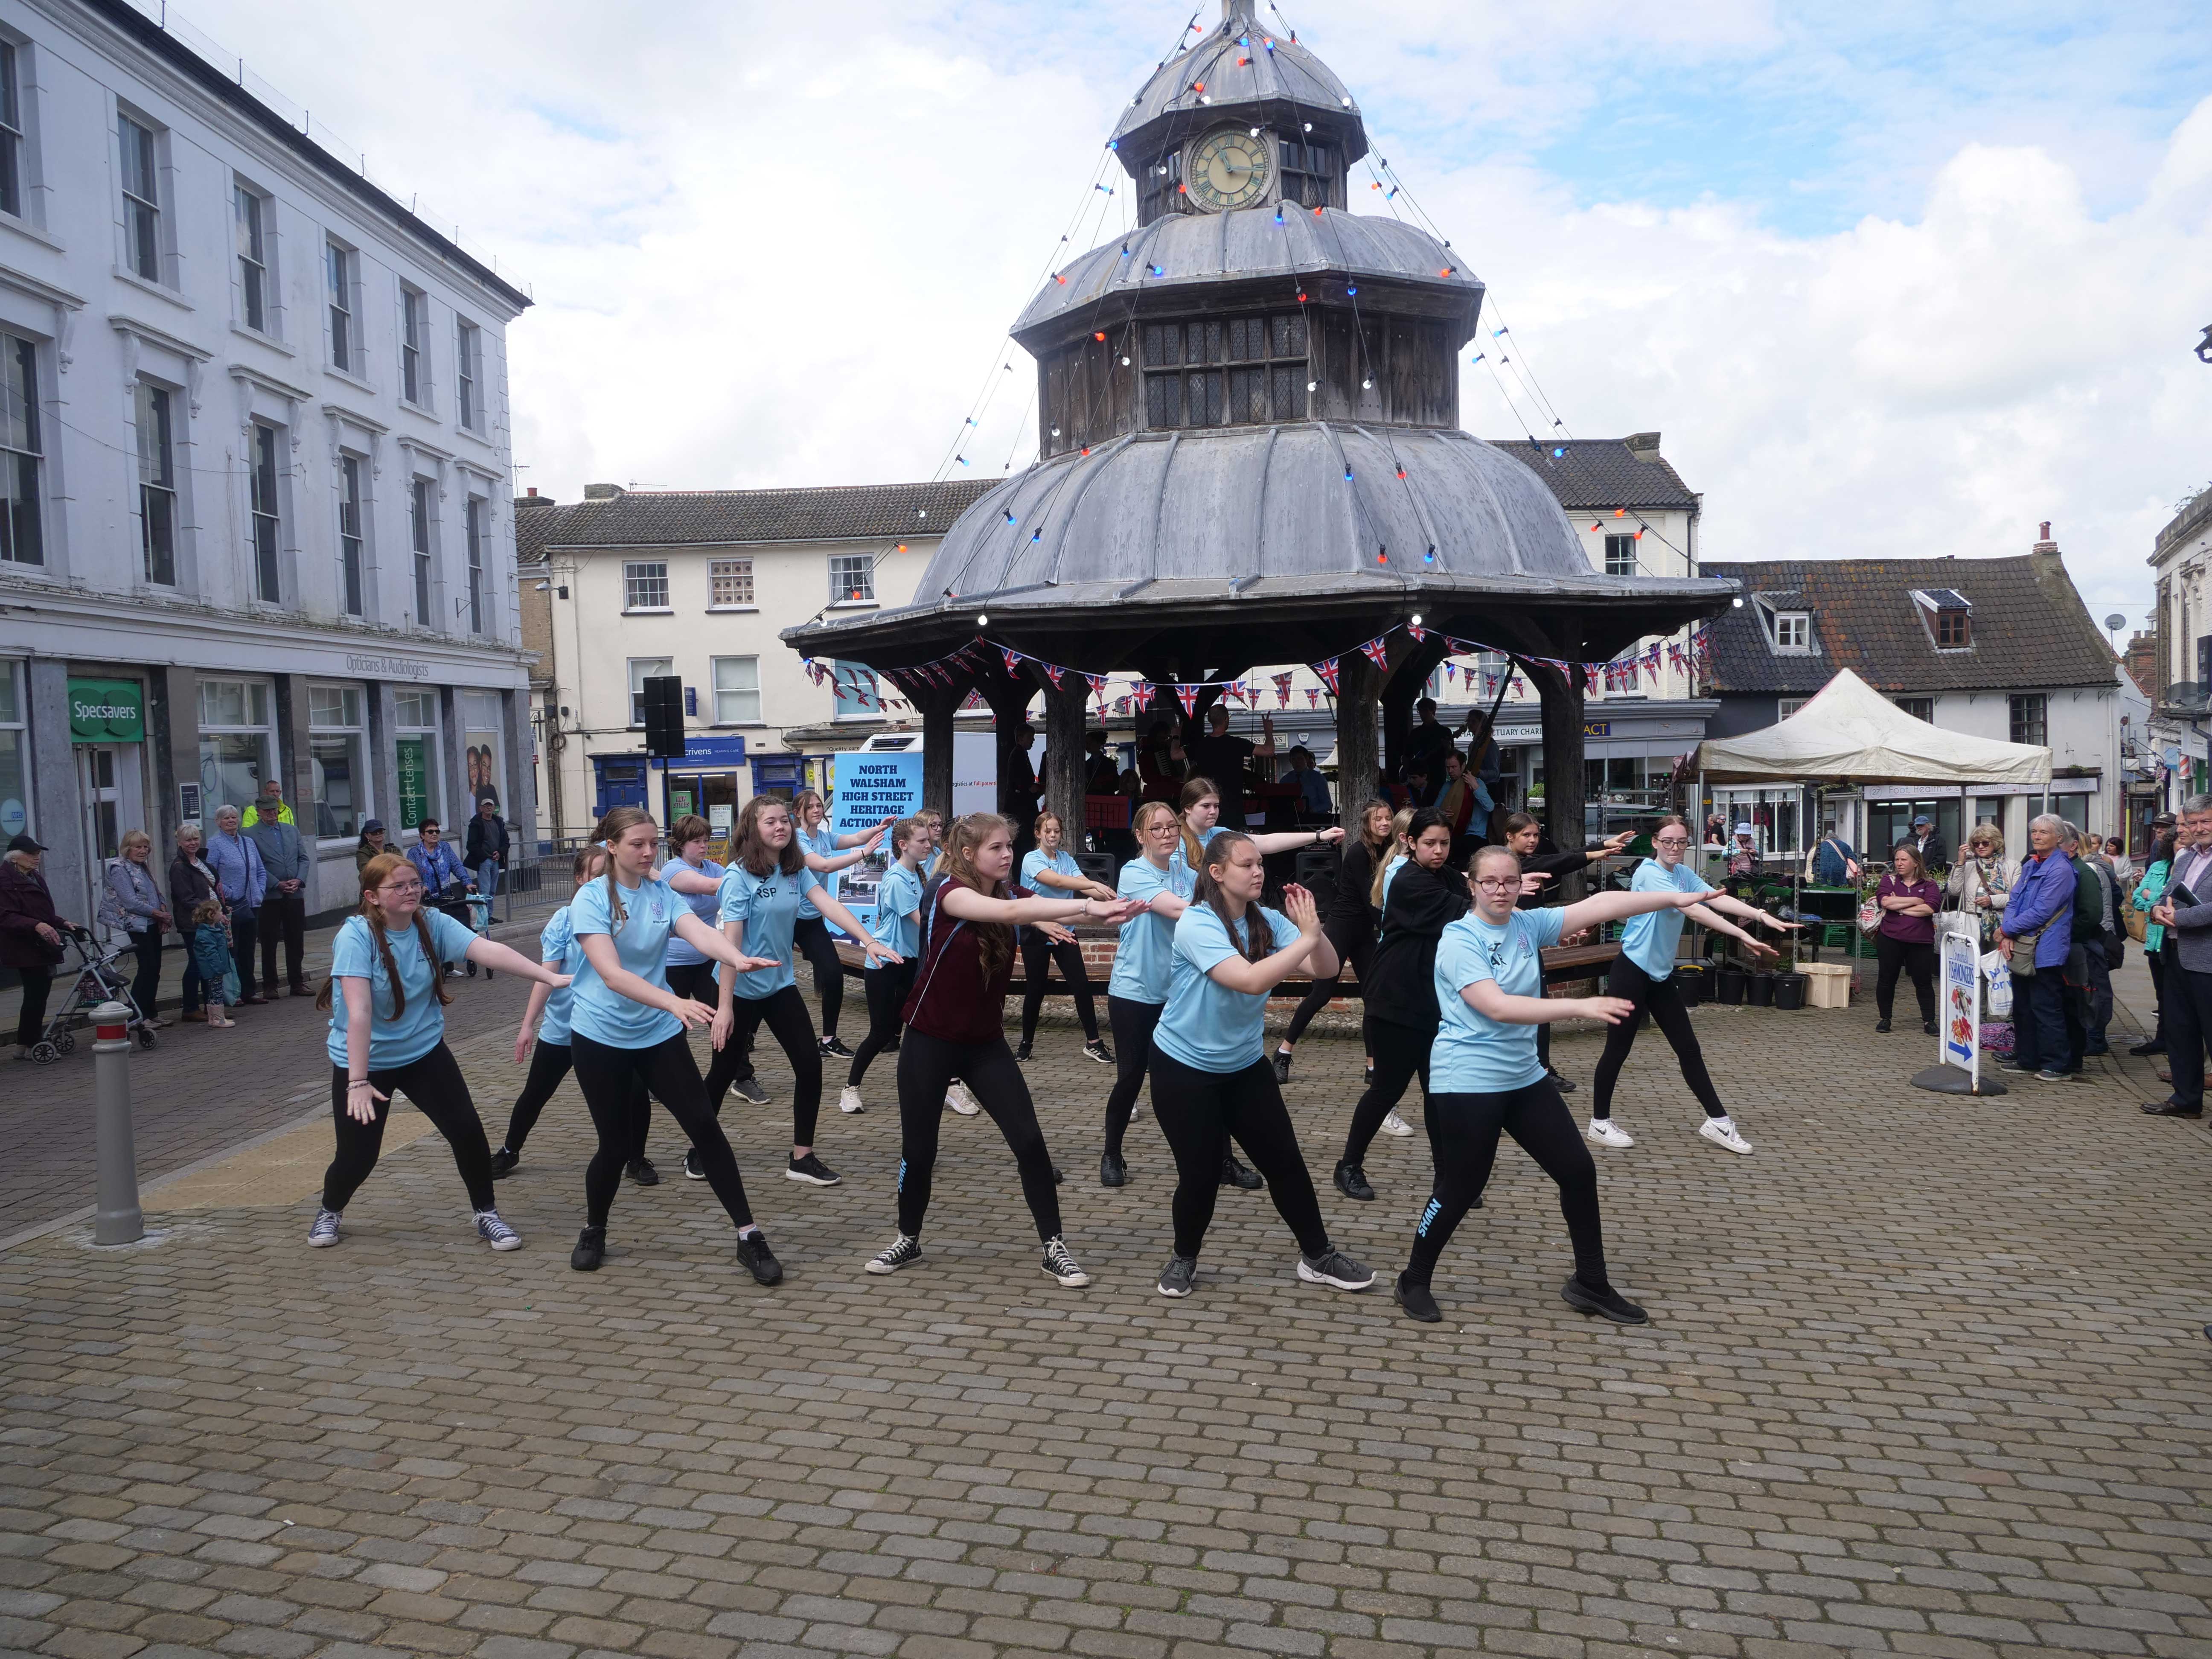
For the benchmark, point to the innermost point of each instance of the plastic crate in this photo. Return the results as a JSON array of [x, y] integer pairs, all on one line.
[[1828, 984]]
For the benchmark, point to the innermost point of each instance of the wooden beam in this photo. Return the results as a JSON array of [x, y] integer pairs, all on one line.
[[1357, 753], [1562, 695], [1065, 711]]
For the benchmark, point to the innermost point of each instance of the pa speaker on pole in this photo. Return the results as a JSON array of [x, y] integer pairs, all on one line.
[[663, 696]]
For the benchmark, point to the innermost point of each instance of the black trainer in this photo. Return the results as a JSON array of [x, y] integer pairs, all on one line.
[[1282, 1066], [759, 1259], [749, 1089], [1608, 1304], [1881, 1027], [1113, 1170], [812, 1171], [1565, 1085], [1096, 1049], [831, 1045], [902, 1252], [1021, 1054], [1416, 1301], [503, 1163], [591, 1250], [643, 1172], [1234, 1174], [1177, 1277], [1352, 1181], [692, 1167], [2150, 1046]]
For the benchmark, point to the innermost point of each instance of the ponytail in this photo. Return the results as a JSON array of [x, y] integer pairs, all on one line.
[[618, 822], [373, 875], [1259, 941]]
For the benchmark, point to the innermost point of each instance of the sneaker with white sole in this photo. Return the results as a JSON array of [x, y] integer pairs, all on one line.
[[495, 1232], [750, 1090], [1062, 1265], [1334, 1267], [1606, 1132], [813, 1171], [961, 1101], [1711, 1130], [849, 1101], [324, 1233], [903, 1252], [1179, 1275], [1394, 1125]]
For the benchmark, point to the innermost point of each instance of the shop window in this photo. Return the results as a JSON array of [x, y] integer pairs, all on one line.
[[415, 726], [730, 583], [645, 585], [237, 745], [483, 751], [22, 540], [737, 690], [14, 754], [2030, 722], [338, 746]]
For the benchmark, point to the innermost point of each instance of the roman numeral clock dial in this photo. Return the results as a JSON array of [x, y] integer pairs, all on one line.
[[1228, 169]]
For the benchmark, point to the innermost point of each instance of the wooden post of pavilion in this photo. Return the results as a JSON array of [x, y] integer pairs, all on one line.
[[937, 704], [1562, 695], [1359, 755], [1065, 711]]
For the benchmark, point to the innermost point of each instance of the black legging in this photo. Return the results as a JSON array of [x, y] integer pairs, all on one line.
[[1464, 1129], [549, 1064], [1037, 951], [811, 936], [1354, 939], [1133, 1023], [1199, 1112], [434, 1085], [694, 980], [886, 987], [146, 983], [926, 1066], [1401, 1054], [2157, 960], [1915, 958], [619, 1085], [793, 1027], [1662, 998]]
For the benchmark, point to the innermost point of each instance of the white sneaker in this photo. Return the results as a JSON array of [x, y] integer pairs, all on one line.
[[849, 1101], [961, 1101], [1606, 1132], [1711, 1130], [1394, 1125]]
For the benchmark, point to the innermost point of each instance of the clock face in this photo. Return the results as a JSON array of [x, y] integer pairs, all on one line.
[[1228, 169]]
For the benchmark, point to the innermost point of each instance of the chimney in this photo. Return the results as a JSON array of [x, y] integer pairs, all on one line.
[[2047, 548], [601, 492], [1644, 446], [533, 490], [531, 498]]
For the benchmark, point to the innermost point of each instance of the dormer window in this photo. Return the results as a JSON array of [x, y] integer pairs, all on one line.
[[1948, 616], [1793, 631]]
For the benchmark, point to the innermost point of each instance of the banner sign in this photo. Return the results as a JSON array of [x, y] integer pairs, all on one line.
[[106, 711], [1958, 1035], [867, 787]]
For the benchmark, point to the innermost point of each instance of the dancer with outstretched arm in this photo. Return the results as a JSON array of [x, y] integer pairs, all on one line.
[[1138, 990], [898, 924], [1049, 870]]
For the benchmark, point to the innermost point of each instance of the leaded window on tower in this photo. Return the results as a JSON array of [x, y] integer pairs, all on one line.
[[1241, 371], [1310, 175]]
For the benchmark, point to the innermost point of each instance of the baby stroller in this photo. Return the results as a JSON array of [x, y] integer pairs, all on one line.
[[98, 980]]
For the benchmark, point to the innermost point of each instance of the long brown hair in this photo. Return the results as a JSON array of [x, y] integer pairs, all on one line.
[[618, 822], [1367, 810], [1195, 790], [1259, 939], [373, 876], [1400, 822], [755, 853], [994, 940]]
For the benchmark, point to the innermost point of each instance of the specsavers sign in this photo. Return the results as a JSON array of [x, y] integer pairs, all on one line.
[[106, 711]]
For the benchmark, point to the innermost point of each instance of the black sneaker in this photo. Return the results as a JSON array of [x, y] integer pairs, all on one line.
[[1416, 1301], [1565, 1085], [830, 1045], [691, 1167], [1352, 1181], [902, 1252], [812, 1171], [1113, 1170], [1336, 1268], [643, 1172], [1881, 1027], [749, 1089], [1282, 1066], [1928, 1027], [1021, 1054], [1234, 1174], [2015, 1068], [591, 1250], [1062, 1266], [1096, 1049], [1608, 1304], [1178, 1276], [759, 1259], [2153, 1045], [503, 1163]]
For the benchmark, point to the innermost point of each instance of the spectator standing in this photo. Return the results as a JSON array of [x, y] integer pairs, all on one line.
[[1907, 939], [2147, 892], [370, 844], [1313, 788], [485, 855], [2115, 855], [207, 938], [132, 905], [283, 916], [2036, 938], [2096, 913], [1743, 853], [1928, 843], [30, 935], [1425, 745], [444, 887], [2185, 910], [1227, 759], [1832, 862], [191, 883], [1982, 881], [242, 881]]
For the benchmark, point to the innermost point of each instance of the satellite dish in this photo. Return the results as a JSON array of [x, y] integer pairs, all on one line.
[[2115, 620]]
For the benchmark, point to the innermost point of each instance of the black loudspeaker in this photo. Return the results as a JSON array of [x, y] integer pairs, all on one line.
[[664, 716]]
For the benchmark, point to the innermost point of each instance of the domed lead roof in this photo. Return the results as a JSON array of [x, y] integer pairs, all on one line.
[[1279, 72], [1208, 249]]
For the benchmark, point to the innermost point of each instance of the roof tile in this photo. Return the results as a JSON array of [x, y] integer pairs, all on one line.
[[1601, 472], [730, 517]]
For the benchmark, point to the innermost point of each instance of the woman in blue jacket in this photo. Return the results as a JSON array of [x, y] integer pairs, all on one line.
[[2035, 939]]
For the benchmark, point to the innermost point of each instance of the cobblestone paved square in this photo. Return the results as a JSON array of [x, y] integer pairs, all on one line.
[[1924, 1375]]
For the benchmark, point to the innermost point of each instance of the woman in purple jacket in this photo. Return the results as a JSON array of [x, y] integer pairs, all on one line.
[[1906, 942], [2041, 909]]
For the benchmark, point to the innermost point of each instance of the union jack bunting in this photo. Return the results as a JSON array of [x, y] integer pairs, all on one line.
[[1188, 695], [1328, 672], [1378, 651], [1052, 671], [1013, 659], [1418, 632], [1097, 684], [1313, 696], [1282, 690]]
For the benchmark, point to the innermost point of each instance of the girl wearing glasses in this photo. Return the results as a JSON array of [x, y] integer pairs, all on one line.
[[1488, 986], [1642, 975], [388, 1034]]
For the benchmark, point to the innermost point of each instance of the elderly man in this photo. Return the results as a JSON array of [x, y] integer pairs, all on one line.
[[1927, 842], [2036, 938], [2186, 912], [289, 862], [243, 881]]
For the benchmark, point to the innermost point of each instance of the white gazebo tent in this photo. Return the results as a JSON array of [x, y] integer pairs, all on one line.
[[1849, 733]]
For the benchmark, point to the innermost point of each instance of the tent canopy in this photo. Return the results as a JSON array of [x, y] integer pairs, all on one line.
[[1851, 733]]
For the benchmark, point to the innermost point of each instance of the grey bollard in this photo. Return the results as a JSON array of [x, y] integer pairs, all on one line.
[[118, 1219]]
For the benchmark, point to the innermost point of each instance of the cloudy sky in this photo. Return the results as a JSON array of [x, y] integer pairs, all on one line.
[[1892, 279]]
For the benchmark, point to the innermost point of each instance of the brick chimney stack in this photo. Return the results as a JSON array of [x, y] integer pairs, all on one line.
[[2048, 548]]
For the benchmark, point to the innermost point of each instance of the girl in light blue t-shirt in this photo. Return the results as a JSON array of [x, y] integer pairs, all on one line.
[[825, 852], [898, 924], [388, 997], [1049, 870], [1138, 989]]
